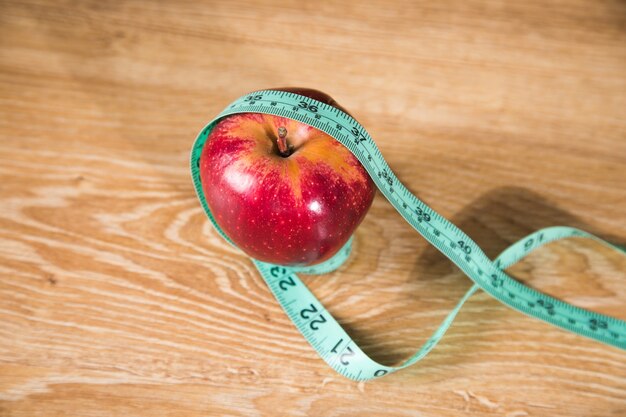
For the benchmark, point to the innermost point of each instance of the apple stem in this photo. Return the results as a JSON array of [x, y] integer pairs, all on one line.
[[283, 148]]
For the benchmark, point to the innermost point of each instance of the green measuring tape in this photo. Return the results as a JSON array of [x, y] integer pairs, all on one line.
[[320, 329]]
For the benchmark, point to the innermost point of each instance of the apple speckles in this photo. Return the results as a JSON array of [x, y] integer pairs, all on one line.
[[296, 210]]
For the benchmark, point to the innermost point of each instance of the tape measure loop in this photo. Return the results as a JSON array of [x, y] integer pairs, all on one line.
[[320, 329]]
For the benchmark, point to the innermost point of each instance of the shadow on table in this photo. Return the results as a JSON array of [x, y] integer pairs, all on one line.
[[494, 221], [505, 215]]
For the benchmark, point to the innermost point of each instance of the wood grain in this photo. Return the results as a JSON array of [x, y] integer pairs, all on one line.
[[117, 297]]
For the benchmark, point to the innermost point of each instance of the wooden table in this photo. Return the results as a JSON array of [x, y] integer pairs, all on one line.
[[118, 298]]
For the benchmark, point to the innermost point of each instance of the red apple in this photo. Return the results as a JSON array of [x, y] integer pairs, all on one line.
[[284, 192]]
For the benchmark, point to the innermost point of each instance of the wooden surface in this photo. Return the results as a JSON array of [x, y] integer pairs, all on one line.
[[117, 297]]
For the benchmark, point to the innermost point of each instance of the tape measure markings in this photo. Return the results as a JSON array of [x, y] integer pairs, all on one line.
[[385, 171], [310, 316]]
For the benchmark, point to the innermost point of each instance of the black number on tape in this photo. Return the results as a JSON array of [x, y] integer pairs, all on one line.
[[344, 356], [306, 312], [276, 271], [314, 323], [284, 283], [422, 216], [358, 136], [310, 107], [464, 247], [252, 99], [334, 350]]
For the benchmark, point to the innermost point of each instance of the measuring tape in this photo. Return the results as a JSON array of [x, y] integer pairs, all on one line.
[[319, 327]]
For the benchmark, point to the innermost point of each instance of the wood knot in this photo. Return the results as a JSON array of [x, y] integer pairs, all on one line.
[[51, 279]]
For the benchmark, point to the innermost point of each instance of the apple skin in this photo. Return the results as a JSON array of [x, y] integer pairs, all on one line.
[[295, 210]]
